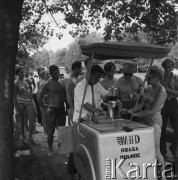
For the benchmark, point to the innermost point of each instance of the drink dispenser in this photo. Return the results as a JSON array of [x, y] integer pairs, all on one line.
[[114, 103]]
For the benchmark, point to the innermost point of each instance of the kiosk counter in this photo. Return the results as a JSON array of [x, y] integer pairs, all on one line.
[[121, 149]]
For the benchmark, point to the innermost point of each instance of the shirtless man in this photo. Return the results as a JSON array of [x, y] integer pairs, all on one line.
[[55, 90], [70, 86], [128, 87]]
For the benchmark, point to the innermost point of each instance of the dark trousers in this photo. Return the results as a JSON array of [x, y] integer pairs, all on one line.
[[39, 116], [169, 112], [56, 116]]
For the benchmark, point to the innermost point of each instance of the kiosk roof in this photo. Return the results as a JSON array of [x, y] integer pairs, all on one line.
[[124, 50]]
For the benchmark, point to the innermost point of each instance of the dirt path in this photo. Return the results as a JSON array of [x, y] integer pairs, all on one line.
[[57, 165], [56, 168]]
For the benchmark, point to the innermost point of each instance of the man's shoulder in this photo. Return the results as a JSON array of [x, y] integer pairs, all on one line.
[[81, 83], [137, 78], [69, 83], [81, 77], [103, 82], [163, 90], [72, 79], [119, 79], [61, 82], [46, 83]]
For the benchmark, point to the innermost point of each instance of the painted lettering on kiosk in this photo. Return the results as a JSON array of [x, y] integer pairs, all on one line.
[[126, 140], [129, 144]]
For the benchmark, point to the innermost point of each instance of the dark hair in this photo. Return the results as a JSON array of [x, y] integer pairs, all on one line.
[[86, 61], [157, 71], [53, 67], [167, 60], [96, 69], [108, 66], [76, 64], [40, 69], [129, 64], [18, 69]]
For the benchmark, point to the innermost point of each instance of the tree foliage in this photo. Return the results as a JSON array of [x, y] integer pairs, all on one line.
[[42, 58], [156, 18], [74, 52], [59, 57], [133, 20], [34, 31], [64, 57], [24, 59]]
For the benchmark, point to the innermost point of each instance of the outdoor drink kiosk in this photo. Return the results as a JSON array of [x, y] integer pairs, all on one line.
[[117, 148]]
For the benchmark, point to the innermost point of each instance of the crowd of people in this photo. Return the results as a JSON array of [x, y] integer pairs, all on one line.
[[51, 99]]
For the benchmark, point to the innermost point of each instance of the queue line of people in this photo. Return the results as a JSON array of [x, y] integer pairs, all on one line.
[[157, 104]]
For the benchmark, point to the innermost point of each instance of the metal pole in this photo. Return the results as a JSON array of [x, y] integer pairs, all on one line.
[[140, 93]]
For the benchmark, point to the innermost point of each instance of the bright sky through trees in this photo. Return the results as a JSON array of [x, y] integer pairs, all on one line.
[[54, 43]]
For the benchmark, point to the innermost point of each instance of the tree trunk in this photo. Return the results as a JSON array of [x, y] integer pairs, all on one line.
[[10, 16]]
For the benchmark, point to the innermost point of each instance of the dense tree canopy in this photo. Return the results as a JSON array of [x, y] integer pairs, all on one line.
[[130, 20], [34, 31], [156, 18], [59, 57], [42, 58], [74, 52]]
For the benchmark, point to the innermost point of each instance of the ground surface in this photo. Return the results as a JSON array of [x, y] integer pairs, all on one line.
[[38, 166]]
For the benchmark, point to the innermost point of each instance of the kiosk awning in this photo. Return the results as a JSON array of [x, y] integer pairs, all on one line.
[[124, 50]]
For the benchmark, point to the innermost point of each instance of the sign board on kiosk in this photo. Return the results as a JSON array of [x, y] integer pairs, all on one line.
[[120, 149]]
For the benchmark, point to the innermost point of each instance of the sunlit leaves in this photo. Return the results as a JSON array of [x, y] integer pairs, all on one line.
[[152, 21], [42, 58], [74, 51], [150, 16]]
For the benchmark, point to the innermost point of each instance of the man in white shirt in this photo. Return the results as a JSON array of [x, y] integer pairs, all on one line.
[[94, 94]]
